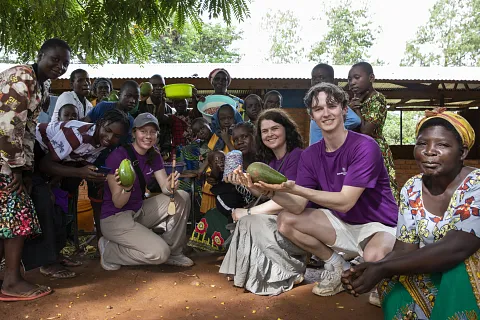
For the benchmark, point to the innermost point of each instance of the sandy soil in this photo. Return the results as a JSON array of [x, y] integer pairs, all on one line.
[[165, 292]]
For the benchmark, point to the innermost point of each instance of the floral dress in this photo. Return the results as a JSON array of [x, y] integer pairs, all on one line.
[[21, 99], [455, 291], [374, 110]]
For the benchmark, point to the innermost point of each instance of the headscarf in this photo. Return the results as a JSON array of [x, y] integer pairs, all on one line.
[[215, 125], [215, 72], [461, 125]]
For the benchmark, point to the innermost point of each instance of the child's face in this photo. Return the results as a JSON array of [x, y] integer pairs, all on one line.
[[68, 113], [272, 101], [216, 161], [226, 117], [202, 131], [180, 105], [359, 80], [253, 108], [243, 140]]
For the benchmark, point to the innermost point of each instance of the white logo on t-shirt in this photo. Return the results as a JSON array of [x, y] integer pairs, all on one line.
[[150, 172], [344, 172]]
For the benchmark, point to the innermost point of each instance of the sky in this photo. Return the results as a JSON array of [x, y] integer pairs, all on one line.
[[397, 19]]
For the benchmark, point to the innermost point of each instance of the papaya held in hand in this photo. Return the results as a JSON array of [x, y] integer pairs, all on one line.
[[126, 173], [262, 172], [146, 89]]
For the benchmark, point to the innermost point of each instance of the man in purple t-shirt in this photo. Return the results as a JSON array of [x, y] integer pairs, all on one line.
[[345, 175]]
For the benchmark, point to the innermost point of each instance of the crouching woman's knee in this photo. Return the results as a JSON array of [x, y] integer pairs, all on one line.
[[158, 254], [285, 223]]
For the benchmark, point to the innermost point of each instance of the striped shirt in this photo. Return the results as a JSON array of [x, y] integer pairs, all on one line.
[[71, 141]]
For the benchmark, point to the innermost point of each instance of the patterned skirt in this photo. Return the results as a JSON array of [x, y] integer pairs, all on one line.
[[452, 295], [17, 213]]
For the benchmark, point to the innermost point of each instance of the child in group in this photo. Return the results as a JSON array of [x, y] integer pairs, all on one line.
[[212, 231], [371, 107], [253, 107], [222, 123], [273, 99]]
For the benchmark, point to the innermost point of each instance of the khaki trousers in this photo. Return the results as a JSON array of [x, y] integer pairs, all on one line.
[[132, 240]]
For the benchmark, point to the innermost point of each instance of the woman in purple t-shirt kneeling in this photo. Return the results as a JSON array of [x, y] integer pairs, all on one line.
[[127, 219], [250, 253]]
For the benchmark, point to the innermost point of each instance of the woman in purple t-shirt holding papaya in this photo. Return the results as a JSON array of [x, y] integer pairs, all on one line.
[[279, 144], [128, 219]]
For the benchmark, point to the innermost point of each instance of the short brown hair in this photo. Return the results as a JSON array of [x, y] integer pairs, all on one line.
[[334, 94]]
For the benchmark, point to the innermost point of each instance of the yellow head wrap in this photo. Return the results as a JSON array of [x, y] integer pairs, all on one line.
[[460, 124]]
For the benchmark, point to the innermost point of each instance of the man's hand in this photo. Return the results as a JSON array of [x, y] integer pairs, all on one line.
[[282, 187], [90, 173]]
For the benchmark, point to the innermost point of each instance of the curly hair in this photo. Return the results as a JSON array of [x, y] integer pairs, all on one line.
[[293, 137]]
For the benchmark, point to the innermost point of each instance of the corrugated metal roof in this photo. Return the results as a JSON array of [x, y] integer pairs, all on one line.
[[268, 71]]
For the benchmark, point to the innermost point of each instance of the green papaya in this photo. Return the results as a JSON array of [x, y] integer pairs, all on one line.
[[113, 96], [146, 89], [262, 172], [126, 173]]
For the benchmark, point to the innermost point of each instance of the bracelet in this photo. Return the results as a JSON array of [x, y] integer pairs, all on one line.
[[127, 191]]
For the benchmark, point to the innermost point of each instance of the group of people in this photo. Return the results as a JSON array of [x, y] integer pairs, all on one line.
[[340, 204]]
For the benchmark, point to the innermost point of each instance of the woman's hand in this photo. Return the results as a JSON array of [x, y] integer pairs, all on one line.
[[233, 178], [243, 177], [196, 96], [175, 176], [362, 278], [17, 183], [90, 173], [117, 180], [239, 213]]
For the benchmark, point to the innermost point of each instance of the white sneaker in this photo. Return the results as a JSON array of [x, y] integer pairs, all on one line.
[[102, 243], [330, 282], [179, 260], [298, 279], [374, 299]]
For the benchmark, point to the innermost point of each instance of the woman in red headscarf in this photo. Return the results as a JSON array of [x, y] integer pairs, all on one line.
[[220, 80]]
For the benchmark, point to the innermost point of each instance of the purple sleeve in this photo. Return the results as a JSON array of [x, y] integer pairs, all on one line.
[[366, 165], [306, 176], [289, 169], [157, 163], [114, 159]]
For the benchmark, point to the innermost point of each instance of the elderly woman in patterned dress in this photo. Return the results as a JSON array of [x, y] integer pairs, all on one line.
[[23, 92], [433, 270]]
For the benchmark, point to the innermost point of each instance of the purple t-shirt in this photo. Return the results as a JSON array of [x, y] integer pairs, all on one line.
[[357, 163], [136, 200], [289, 166]]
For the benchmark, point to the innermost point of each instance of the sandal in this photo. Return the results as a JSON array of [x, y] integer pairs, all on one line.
[[59, 274], [67, 262], [38, 292]]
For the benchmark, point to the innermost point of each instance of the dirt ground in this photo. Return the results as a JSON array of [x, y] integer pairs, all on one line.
[[165, 292]]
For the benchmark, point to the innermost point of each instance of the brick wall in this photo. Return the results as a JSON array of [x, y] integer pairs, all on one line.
[[405, 169]]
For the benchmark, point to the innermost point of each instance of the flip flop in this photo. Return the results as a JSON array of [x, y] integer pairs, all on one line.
[[67, 262], [27, 296], [60, 274]]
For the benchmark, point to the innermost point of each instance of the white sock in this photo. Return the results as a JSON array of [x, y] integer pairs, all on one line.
[[335, 260]]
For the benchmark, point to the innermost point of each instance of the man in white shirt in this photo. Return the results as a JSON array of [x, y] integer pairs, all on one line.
[[80, 82]]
